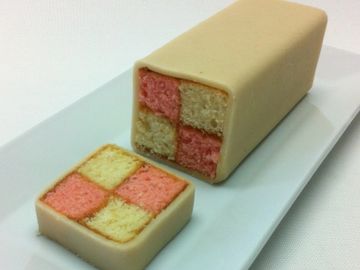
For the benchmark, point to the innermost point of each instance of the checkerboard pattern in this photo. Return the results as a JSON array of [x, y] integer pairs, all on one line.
[[180, 121], [114, 193]]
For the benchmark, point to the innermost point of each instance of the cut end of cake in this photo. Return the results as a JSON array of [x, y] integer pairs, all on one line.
[[191, 135]]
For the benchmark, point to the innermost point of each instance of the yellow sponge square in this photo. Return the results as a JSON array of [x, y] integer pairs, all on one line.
[[156, 134], [203, 107], [109, 167], [119, 221]]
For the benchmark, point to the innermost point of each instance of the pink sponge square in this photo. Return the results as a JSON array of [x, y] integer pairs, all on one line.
[[198, 151], [160, 93], [150, 188], [76, 197]]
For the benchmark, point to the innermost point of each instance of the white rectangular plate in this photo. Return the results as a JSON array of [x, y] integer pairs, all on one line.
[[231, 221]]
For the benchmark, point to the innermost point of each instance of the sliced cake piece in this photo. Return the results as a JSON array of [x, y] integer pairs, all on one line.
[[114, 209], [226, 83]]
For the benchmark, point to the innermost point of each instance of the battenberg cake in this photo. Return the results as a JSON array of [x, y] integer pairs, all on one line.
[[205, 100], [114, 209]]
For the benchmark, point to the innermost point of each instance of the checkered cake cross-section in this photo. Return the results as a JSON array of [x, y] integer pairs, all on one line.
[[179, 121], [114, 194]]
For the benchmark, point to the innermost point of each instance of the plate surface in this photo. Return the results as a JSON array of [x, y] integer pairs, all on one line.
[[231, 221]]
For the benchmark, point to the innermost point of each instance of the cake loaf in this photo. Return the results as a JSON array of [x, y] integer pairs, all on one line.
[[204, 101], [114, 209]]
